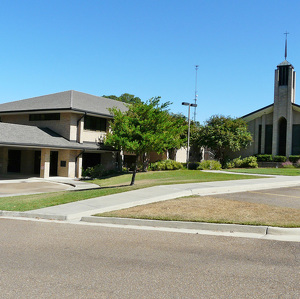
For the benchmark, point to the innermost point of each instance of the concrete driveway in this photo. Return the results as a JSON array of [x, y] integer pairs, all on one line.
[[21, 185], [27, 187]]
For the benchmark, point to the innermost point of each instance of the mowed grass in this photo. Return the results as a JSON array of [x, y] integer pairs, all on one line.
[[268, 171], [155, 178], [212, 210], [113, 185]]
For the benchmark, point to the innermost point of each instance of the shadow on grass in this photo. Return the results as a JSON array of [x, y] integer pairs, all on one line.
[[102, 188]]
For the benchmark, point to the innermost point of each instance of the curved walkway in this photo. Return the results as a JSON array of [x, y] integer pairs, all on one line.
[[84, 209]]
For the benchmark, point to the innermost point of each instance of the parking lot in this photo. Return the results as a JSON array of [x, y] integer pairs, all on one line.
[[281, 197]]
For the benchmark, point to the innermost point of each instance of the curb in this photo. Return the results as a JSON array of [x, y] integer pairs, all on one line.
[[32, 215], [229, 228], [217, 227]]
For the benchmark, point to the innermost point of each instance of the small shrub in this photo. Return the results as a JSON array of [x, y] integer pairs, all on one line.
[[264, 158], [94, 171], [287, 164], [298, 164], [165, 165], [249, 162], [237, 162], [209, 165], [228, 165], [294, 158], [279, 158]]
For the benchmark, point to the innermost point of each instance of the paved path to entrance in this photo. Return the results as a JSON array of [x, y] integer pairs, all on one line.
[[22, 185], [88, 207]]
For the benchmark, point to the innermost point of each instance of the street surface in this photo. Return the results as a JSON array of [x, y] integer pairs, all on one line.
[[59, 260]]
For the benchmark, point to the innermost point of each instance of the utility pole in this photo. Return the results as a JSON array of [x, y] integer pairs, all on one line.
[[196, 95]]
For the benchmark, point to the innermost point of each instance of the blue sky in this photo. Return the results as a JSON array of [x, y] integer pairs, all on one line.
[[149, 48]]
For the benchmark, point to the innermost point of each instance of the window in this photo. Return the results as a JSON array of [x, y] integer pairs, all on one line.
[[296, 140], [259, 138], [268, 139], [94, 123], [44, 116], [283, 75]]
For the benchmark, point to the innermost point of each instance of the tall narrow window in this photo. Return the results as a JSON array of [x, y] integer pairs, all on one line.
[[259, 138], [282, 124], [296, 140], [268, 139], [283, 75]]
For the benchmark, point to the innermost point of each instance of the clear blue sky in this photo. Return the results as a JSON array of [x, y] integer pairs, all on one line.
[[149, 48]]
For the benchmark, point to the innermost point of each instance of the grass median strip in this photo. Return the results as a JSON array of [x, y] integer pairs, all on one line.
[[213, 210], [268, 171], [113, 185]]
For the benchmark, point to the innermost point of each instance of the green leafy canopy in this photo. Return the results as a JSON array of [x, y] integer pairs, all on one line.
[[146, 127], [223, 135]]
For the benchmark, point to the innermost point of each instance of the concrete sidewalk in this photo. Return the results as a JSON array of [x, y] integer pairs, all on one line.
[[76, 210], [82, 211]]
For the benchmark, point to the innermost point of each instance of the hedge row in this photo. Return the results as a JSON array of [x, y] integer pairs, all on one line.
[[270, 158]]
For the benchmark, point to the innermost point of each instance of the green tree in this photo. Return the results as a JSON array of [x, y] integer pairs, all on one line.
[[223, 135], [126, 98], [143, 128]]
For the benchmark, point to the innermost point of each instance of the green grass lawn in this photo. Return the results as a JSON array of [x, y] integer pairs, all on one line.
[[112, 185], [271, 171]]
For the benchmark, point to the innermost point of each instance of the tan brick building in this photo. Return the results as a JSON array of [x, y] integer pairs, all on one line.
[[56, 134]]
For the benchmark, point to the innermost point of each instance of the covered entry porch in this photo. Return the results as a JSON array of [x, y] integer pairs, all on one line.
[[40, 162]]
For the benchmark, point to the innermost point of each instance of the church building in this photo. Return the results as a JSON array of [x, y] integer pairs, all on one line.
[[276, 128]]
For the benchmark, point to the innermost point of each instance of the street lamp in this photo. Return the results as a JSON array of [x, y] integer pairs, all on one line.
[[189, 122]]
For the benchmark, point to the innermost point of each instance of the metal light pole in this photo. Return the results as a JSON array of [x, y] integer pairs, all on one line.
[[189, 125]]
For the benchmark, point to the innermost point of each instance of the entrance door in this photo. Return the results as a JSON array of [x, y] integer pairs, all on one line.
[[14, 161], [53, 163]]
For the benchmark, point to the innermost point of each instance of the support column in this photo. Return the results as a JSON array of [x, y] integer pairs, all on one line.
[[79, 167], [80, 127], [45, 163]]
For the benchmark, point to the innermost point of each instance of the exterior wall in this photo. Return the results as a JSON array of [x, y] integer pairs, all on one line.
[[154, 157], [63, 155], [92, 136], [66, 126], [296, 118], [181, 155], [69, 156], [45, 163]]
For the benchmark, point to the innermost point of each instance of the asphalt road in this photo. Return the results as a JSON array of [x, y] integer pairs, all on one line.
[[53, 260]]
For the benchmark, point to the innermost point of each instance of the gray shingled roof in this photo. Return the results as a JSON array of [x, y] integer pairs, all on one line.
[[31, 136], [67, 100]]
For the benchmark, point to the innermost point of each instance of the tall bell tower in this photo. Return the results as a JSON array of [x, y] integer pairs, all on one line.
[[284, 96]]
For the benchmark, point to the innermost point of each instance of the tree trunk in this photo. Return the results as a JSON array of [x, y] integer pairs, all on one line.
[[134, 171], [145, 158]]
